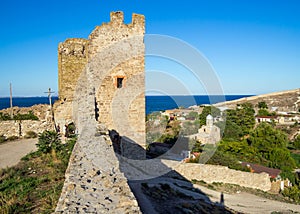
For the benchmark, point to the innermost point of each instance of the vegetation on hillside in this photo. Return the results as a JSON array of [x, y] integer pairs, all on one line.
[[213, 111], [34, 185], [29, 116], [264, 144], [244, 140]]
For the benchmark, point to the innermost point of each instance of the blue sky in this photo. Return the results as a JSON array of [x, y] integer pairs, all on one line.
[[253, 46]]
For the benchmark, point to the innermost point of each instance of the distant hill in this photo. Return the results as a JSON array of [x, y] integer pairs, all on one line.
[[286, 101]]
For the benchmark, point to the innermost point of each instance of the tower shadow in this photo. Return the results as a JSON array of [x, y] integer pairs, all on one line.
[[157, 187]]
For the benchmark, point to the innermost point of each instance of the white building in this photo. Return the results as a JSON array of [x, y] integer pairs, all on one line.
[[208, 134]]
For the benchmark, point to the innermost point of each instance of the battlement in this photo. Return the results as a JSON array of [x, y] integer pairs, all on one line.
[[118, 19], [74, 46], [138, 19]]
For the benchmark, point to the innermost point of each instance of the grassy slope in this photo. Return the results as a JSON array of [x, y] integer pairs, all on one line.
[[34, 185]]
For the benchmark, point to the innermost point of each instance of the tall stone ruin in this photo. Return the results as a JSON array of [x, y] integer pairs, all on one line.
[[102, 78]]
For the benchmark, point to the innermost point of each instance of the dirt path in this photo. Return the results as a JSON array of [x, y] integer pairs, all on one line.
[[12, 152], [248, 203]]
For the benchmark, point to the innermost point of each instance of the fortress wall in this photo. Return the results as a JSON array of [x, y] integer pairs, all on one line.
[[72, 59], [116, 30], [94, 183], [15, 128], [222, 174], [114, 50], [124, 108]]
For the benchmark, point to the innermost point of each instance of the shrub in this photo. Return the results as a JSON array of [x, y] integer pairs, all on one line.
[[4, 116], [296, 142], [292, 192], [11, 138], [31, 134], [48, 141], [29, 116], [2, 138]]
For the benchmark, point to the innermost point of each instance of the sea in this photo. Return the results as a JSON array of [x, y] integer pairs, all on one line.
[[153, 103]]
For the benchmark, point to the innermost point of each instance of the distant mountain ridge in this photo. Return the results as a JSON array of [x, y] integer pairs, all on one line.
[[286, 101]]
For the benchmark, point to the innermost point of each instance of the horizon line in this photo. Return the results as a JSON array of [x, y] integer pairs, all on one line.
[[156, 95]]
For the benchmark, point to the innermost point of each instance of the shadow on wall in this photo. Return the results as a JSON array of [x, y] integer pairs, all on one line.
[[158, 188]]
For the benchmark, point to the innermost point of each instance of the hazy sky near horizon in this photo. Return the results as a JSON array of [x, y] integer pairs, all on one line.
[[253, 46]]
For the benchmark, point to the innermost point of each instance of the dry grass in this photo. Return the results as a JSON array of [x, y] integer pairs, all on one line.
[[34, 185]]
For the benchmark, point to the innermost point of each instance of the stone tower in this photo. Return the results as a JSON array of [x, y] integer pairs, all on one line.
[[209, 121], [109, 67]]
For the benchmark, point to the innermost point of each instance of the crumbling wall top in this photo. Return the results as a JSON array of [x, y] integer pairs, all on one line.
[[118, 19], [74, 46]]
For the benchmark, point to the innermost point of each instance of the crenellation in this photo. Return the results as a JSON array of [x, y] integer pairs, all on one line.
[[138, 21], [117, 18]]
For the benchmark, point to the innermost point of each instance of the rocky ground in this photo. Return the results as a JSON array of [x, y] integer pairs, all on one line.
[[285, 100], [42, 111], [172, 193], [159, 189]]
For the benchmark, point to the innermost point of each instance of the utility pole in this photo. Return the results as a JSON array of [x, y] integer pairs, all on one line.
[[11, 103]]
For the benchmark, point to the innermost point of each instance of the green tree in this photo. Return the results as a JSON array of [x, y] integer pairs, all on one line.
[[262, 105], [206, 111], [195, 146], [272, 145], [242, 116], [281, 158], [232, 131], [167, 138], [296, 142], [265, 138], [264, 112], [292, 192], [225, 159]]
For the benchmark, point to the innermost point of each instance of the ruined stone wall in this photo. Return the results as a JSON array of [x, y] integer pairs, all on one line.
[[114, 50], [115, 31], [114, 38], [94, 183], [127, 103], [72, 59], [222, 174], [15, 128]]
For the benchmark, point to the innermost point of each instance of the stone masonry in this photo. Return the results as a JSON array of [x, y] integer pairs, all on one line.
[[222, 174], [18, 128], [94, 99], [94, 183], [111, 63]]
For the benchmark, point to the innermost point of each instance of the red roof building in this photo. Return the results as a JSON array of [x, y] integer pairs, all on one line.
[[256, 168]]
